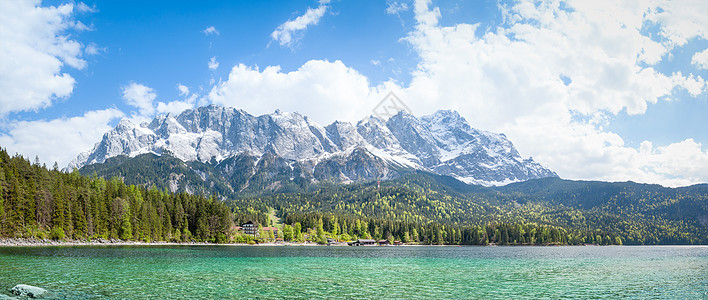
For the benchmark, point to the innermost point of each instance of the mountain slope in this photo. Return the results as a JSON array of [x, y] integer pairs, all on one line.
[[442, 143], [669, 216]]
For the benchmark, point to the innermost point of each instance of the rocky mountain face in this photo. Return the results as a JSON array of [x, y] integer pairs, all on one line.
[[291, 145]]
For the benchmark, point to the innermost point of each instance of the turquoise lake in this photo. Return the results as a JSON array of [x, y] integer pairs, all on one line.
[[234, 272]]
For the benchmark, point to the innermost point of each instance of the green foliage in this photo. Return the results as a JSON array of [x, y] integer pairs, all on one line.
[[418, 207], [40, 203], [57, 233], [634, 213], [433, 233], [162, 172], [287, 232]]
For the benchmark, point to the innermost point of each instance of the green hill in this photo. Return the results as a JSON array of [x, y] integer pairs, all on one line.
[[567, 212]]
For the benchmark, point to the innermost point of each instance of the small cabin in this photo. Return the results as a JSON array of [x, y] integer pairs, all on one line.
[[384, 243]]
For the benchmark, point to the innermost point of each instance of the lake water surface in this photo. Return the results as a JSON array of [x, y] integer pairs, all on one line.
[[215, 272]]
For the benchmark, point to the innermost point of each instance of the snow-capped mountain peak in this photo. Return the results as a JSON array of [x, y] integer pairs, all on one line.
[[442, 142]]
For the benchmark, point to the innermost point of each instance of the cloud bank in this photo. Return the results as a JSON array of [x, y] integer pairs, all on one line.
[[548, 65], [551, 78], [35, 49], [320, 89], [58, 140]]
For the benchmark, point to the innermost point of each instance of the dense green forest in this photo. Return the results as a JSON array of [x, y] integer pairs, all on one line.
[[634, 213], [39, 203], [432, 233], [640, 213], [50, 204], [418, 208]]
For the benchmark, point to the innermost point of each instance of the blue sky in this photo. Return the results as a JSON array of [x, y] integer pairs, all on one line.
[[593, 90]]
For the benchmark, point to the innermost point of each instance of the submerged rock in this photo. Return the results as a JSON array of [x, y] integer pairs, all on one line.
[[28, 290], [6, 297]]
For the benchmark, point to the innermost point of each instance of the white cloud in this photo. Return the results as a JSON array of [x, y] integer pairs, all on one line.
[[685, 158], [93, 49], [35, 48], [700, 59], [680, 20], [177, 106], [530, 79], [322, 90], [213, 64], [82, 7], [211, 30], [394, 7], [291, 31], [60, 139], [183, 90], [509, 80], [141, 97]]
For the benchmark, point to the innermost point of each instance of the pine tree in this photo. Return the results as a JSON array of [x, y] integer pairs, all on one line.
[[59, 200]]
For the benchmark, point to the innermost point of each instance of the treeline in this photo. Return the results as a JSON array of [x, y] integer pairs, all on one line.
[[638, 213], [49, 204], [636, 217], [418, 208], [317, 227]]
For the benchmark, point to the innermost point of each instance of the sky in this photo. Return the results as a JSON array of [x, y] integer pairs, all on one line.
[[594, 90]]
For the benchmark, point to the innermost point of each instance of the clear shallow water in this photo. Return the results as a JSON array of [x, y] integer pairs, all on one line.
[[209, 272]]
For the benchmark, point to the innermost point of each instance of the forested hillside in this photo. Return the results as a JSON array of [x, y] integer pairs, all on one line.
[[50, 204], [633, 212], [40, 203], [232, 177], [418, 207]]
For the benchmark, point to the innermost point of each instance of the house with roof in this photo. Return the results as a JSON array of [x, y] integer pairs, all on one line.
[[249, 228], [271, 229]]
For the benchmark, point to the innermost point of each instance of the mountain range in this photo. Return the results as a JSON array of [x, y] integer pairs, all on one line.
[[284, 144]]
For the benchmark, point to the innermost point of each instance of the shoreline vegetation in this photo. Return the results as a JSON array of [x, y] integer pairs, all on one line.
[[40, 204], [43, 206], [21, 242], [102, 242]]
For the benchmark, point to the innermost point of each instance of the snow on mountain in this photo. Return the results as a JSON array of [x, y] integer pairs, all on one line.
[[443, 143], [344, 135]]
